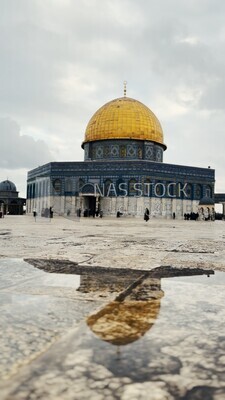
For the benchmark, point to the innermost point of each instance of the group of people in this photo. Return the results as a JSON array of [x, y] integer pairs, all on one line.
[[90, 213], [191, 216]]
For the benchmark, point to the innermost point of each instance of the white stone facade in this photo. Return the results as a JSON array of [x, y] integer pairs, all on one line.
[[129, 206]]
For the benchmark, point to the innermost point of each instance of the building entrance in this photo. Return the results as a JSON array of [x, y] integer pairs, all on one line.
[[89, 206]]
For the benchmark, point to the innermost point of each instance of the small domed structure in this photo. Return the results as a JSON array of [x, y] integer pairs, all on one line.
[[10, 203], [7, 186]]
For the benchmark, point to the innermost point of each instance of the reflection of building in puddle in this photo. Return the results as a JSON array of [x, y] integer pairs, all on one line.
[[136, 309], [145, 289], [105, 282], [123, 322]]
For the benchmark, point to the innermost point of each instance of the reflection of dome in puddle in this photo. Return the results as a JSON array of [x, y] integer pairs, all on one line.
[[121, 323], [134, 311]]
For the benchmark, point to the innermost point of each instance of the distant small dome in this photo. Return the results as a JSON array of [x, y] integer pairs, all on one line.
[[7, 186], [206, 201]]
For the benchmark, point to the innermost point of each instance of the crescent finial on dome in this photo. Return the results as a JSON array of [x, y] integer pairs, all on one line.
[[125, 88]]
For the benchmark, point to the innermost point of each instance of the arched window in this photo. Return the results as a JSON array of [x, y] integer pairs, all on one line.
[[160, 189], [108, 188], [171, 189], [80, 184], [179, 186], [123, 151], [208, 191], [121, 188], [139, 152], [57, 186], [68, 185], [132, 189], [147, 187], [187, 191], [106, 151], [88, 188], [198, 192]]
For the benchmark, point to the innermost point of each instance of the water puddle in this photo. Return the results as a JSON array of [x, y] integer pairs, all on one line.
[[155, 335], [168, 330]]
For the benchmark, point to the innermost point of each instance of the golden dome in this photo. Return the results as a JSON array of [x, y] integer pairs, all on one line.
[[124, 118]]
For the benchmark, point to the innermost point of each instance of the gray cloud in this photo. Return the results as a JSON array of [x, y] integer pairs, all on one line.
[[63, 59], [20, 151]]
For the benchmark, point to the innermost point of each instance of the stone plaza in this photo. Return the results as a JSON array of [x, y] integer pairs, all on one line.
[[111, 308]]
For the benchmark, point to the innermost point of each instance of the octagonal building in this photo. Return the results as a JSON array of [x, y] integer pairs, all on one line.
[[122, 171]]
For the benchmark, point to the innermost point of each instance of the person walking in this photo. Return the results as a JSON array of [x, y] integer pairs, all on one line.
[[146, 215]]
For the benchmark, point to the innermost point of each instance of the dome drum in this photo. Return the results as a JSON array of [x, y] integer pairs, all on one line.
[[123, 149]]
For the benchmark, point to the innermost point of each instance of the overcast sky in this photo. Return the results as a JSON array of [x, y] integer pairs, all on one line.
[[60, 60]]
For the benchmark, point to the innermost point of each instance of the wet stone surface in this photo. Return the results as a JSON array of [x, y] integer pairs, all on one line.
[[36, 308], [116, 242], [125, 335]]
